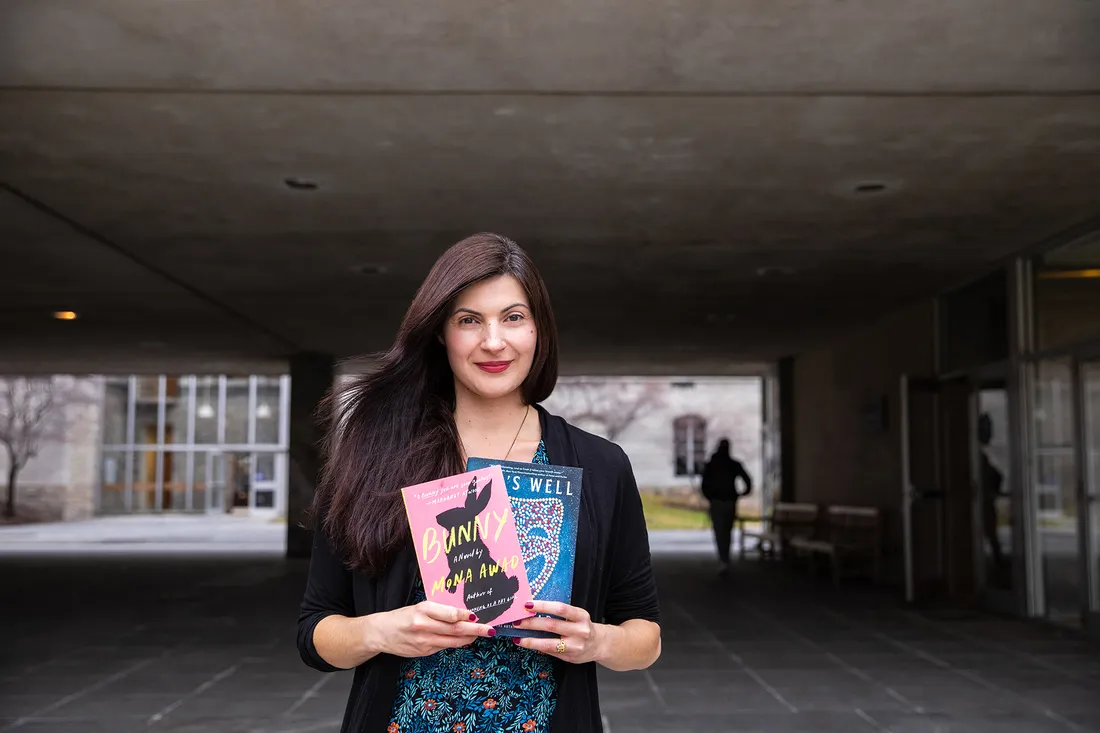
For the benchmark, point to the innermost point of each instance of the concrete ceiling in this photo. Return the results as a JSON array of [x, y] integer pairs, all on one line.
[[683, 171]]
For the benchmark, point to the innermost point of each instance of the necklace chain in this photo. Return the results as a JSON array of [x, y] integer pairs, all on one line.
[[518, 431]]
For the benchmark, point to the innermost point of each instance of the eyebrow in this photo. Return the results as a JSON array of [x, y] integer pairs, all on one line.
[[502, 310]]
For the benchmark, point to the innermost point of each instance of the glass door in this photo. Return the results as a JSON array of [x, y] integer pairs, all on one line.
[[265, 481], [922, 497], [1056, 491], [994, 518], [1090, 391], [216, 475]]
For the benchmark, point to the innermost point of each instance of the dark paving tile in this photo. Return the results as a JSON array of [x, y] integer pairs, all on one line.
[[15, 705], [755, 722], [964, 699], [788, 661], [1089, 721], [718, 696], [794, 636], [840, 698], [96, 706], [1067, 700], [976, 723], [70, 725], [709, 661]]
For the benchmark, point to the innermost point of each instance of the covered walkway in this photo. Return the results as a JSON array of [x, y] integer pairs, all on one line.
[[118, 642]]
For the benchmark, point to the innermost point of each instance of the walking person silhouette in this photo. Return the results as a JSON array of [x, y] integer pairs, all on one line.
[[720, 488]]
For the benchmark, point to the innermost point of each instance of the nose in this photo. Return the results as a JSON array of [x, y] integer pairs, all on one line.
[[493, 340]]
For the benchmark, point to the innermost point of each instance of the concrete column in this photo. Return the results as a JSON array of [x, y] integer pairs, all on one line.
[[311, 376]]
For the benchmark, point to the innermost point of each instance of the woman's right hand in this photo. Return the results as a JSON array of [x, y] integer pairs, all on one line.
[[423, 629]]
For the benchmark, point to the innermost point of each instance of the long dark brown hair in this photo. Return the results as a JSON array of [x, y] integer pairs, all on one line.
[[394, 426]]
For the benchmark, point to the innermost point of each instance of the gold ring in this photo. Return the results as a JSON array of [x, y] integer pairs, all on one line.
[[561, 646]]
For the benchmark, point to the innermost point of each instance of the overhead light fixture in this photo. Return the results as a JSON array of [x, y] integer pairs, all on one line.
[[300, 184], [263, 411], [370, 268], [205, 411], [774, 271], [868, 187], [1089, 274], [65, 315]]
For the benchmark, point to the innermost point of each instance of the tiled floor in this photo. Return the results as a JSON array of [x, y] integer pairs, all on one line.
[[112, 644]]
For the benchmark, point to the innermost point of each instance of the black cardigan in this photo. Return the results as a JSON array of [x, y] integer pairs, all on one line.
[[612, 580]]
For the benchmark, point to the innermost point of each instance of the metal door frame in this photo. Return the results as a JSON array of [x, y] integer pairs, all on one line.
[[910, 494], [1086, 497]]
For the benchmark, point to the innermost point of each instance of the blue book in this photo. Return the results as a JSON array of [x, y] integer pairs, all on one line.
[[546, 502]]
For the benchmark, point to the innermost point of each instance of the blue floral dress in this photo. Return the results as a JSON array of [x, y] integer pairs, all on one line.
[[489, 686]]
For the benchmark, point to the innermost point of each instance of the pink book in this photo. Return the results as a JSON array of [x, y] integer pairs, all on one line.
[[467, 545]]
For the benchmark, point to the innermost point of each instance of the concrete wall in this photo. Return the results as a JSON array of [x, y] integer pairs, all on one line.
[[846, 402], [59, 483]]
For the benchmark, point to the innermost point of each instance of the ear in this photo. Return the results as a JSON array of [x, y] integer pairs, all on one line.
[[477, 505]]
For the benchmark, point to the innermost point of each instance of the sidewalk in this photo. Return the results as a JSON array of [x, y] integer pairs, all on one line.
[[148, 534], [170, 534]]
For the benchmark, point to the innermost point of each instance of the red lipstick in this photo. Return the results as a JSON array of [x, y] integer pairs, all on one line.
[[494, 367]]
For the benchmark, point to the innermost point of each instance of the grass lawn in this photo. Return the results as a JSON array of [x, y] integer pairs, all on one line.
[[659, 515]]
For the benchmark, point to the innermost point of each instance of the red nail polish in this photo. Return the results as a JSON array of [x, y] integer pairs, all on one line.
[[473, 617], [515, 641], [492, 633], [529, 605]]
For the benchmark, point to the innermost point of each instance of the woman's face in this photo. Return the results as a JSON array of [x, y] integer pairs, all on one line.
[[490, 337]]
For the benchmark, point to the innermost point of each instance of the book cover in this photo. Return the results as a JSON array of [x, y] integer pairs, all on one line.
[[467, 545], [546, 502]]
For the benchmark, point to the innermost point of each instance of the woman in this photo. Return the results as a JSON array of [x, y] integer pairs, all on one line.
[[475, 354]]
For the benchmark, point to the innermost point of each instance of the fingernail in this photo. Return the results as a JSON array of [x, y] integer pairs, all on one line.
[[492, 632], [529, 605], [515, 641], [473, 617]]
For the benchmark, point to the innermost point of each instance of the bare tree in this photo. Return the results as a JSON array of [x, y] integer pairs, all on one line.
[[614, 404], [25, 405]]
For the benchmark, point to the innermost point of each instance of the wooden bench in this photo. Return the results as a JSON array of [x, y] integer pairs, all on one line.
[[788, 521], [851, 533]]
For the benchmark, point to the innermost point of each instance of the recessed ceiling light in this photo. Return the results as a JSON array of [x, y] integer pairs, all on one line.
[[869, 187], [65, 315], [300, 184], [774, 271], [370, 268]]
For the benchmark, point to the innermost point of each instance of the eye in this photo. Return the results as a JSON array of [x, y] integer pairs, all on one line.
[[514, 317], [466, 321]]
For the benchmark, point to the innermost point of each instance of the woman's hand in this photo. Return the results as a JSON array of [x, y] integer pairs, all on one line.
[[579, 639], [422, 629]]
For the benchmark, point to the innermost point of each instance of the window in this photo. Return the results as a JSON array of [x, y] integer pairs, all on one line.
[[689, 444]]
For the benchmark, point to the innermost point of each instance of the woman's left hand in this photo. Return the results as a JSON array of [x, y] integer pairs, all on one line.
[[579, 639]]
